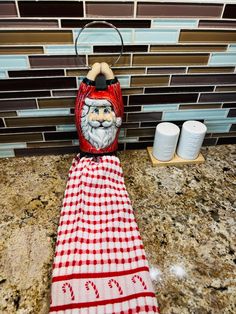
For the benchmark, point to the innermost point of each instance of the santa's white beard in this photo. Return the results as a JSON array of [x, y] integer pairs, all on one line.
[[98, 135]]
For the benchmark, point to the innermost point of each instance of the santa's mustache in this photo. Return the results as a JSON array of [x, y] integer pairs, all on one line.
[[97, 124]]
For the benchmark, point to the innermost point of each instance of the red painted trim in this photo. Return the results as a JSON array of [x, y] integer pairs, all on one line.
[[99, 275], [102, 302]]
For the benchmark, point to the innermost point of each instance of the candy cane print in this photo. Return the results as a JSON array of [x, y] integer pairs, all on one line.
[[117, 285], [70, 289], [93, 286], [141, 280]]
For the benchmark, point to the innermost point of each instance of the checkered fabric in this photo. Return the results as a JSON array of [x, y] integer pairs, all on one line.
[[100, 265]]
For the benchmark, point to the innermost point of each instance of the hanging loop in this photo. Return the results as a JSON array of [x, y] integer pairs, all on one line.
[[106, 23]]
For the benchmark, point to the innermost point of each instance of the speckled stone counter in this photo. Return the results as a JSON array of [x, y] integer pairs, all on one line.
[[186, 217]]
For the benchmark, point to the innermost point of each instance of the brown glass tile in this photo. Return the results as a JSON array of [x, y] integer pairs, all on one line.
[[7, 8], [181, 89], [56, 103], [20, 50], [140, 132], [27, 129], [35, 37], [217, 97], [8, 113], [11, 138], [37, 83], [162, 99], [154, 124], [123, 61], [209, 142], [153, 9], [217, 24], [189, 48], [233, 128], [18, 104], [170, 59], [132, 91], [207, 36], [150, 116], [56, 61], [50, 9], [229, 105], [20, 152], [132, 108], [200, 106], [131, 70], [140, 145], [129, 125], [65, 93], [129, 23], [127, 48], [55, 136], [149, 124], [25, 94], [77, 72], [230, 11], [150, 80], [22, 23], [146, 138], [35, 73], [225, 88], [203, 79], [38, 121], [229, 134], [109, 9], [49, 144], [226, 140], [210, 69], [1, 123], [232, 113], [160, 70]]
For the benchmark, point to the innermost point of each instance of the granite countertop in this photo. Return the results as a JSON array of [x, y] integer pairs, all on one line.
[[186, 217]]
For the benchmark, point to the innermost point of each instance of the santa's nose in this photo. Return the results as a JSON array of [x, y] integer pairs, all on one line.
[[100, 117]]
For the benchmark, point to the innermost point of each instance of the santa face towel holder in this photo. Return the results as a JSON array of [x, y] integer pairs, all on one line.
[[100, 265]]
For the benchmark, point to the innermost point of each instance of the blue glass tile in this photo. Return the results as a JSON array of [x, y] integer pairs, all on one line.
[[124, 80], [223, 59], [153, 108], [43, 112], [122, 133], [69, 127], [3, 74], [98, 36], [13, 62], [218, 121], [7, 153], [75, 142], [12, 145], [216, 128], [195, 114], [232, 47], [67, 50], [176, 23], [153, 36]]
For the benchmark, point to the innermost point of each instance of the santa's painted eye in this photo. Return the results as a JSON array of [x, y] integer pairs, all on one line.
[[96, 110], [107, 110]]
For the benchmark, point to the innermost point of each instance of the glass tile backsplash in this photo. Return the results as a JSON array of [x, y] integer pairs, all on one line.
[[178, 64]]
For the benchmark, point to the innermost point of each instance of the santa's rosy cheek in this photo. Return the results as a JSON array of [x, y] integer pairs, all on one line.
[[92, 116]]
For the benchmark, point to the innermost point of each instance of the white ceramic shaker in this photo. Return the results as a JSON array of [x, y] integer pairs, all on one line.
[[165, 141]]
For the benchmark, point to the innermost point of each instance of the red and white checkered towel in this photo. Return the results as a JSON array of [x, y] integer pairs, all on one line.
[[100, 265]]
